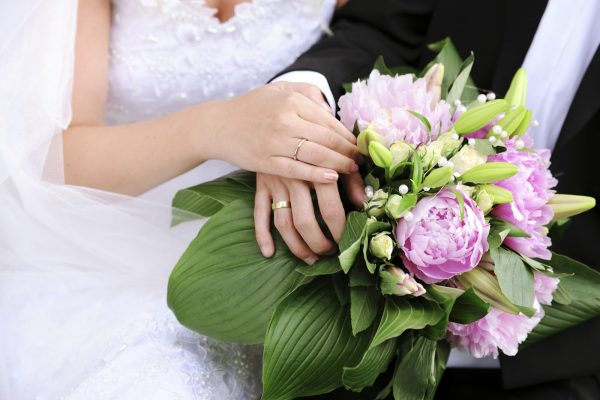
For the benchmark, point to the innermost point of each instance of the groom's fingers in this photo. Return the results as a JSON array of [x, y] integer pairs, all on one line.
[[305, 220], [331, 208], [262, 222], [355, 189]]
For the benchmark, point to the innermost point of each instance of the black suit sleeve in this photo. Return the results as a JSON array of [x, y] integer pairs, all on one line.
[[362, 31]]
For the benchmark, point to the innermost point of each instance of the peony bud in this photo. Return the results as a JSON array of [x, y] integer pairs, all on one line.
[[468, 157], [397, 206], [397, 282], [499, 194], [517, 92], [381, 246], [401, 152], [567, 205], [479, 116], [375, 206], [438, 177], [487, 287], [380, 154], [433, 79], [490, 172], [485, 202], [365, 137]]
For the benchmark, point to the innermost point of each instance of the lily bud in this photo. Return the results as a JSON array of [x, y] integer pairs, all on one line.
[[381, 246], [438, 177], [467, 158], [567, 205], [375, 206], [380, 154], [517, 92], [364, 138], [490, 172], [433, 79], [396, 282], [479, 116], [524, 125], [397, 206], [487, 287], [512, 120], [401, 152], [499, 194]]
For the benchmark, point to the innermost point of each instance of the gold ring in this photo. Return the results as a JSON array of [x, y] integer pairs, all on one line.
[[280, 204], [295, 155]]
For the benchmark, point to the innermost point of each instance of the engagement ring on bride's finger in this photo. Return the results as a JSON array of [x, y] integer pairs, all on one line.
[[280, 204], [295, 155]]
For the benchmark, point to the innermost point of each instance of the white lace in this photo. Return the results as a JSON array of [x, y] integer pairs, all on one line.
[[167, 55]]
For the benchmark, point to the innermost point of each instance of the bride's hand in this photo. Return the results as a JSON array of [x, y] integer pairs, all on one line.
[[262, 130], [298, 224]]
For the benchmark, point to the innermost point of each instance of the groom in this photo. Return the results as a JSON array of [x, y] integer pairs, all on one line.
[[557, 41]]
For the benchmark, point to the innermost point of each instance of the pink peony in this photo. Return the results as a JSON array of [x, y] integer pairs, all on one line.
[[382, 102], [436, 243], [531, 188], [544, 287], [497, 330]]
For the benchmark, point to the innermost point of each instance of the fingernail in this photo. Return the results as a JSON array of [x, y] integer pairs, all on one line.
[[331, 176], [354, 167], [311, 260], [266, 251]]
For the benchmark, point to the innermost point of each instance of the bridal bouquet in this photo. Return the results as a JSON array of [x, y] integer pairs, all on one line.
[[451, 248]]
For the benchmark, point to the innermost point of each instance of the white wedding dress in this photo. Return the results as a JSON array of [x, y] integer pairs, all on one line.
[[83, 273]]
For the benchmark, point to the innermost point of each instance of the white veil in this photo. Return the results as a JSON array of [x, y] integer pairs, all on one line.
[[73, 261]]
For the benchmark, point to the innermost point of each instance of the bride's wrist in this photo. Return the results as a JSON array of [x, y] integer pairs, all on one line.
[[206, 128]]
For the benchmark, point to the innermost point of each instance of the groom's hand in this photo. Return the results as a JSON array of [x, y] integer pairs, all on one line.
[[298, 224]]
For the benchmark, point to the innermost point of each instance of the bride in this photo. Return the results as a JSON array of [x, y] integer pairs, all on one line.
[[134, 97]]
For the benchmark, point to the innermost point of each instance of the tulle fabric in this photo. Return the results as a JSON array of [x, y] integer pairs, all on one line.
[[62, 245]]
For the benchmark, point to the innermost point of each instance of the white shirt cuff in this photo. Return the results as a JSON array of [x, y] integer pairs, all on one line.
[[314, 78]]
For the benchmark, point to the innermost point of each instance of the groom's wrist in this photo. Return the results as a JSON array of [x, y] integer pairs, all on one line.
[[313, 78]]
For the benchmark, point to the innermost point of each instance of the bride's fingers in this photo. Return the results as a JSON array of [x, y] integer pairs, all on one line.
[[310, 91], [315, 154], [318, 115], [305, 220], [331, 208], [262, 222], [285, 225], [323, 136], [289, 168]]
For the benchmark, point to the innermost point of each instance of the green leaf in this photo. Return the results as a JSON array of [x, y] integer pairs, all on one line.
[[584, 284], [401, 314], [449, 56], [381, 67], [351, 239], [419, 372], [360, 276], [458, 86], [559, 317], [374, 362], [372, 227], [496, 237], [206, 199], [461, 202], [308, 343], [223, 287], [515, 279], [513, 230], [341, 289], [325, 266], [459, 306], [421, 118], [417, 172], [364, 305], [484, 147]]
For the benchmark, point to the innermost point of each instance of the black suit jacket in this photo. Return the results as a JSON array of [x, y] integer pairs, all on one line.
[[500, 34]]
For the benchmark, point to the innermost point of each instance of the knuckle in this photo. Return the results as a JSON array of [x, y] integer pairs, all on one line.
[[317, 153], [302, 221], [300, 252], [331, 210], [282, 221]]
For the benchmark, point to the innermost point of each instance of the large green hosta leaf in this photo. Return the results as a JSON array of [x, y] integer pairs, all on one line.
[[208, 198], [309, 342], [223, 287]]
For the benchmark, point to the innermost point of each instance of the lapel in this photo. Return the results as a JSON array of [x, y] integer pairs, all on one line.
[[521, 20], [585, 104]]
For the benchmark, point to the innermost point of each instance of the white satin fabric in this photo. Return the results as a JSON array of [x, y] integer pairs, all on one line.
[[83, 273]]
